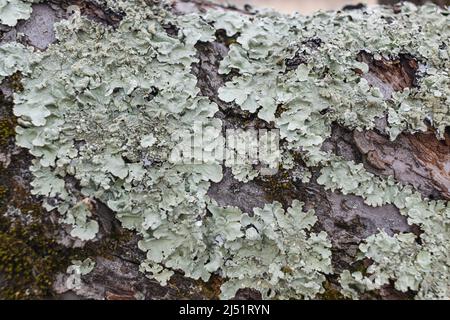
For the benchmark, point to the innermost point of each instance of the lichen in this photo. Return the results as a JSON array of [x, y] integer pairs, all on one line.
[[413, 265], [15, 57], [119, 110], [271, 250], [77, 269], [328, 79], [13, 10], [326, 82], [250, 153]]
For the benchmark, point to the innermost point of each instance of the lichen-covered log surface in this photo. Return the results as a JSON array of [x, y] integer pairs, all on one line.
[[98, 97]]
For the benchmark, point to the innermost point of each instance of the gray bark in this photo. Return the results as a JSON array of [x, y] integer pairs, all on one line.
[[415, 159]]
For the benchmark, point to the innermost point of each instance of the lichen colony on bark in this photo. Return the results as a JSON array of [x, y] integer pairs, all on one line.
[[106, 108]]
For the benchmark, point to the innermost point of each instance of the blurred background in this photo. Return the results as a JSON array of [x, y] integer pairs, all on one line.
[[309, 6], [302, 6]]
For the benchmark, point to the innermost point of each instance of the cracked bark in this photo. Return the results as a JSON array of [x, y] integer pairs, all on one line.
[[417, 159]]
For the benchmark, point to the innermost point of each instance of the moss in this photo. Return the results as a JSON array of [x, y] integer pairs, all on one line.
[[279, 187], [29, 256], [211, 289], [25, 274], [6, 131], [7, 122], [3, 193], [15, 81], [29, 260], [332, 292]]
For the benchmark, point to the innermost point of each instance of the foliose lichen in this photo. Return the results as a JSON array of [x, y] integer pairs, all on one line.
[[77, 269], [326, 87], [272, 250], [15, 57], [114, 108], [417, 263], [13, 10]]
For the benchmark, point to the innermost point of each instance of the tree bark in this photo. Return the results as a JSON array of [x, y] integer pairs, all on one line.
[[35, 249]]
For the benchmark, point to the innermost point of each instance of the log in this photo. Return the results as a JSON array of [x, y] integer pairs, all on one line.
[[36, 248]]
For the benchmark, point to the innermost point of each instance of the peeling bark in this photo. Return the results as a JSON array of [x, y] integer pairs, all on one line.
[[420, 160], [390, 75]]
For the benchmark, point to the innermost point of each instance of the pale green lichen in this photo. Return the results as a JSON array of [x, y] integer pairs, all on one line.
[[271, 250], [325, 79], [242, 154], [119, 109], [76, 270], [84, 228], [15, 57], [13, 10], [51, 122], [326, 82], [418, 266]]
